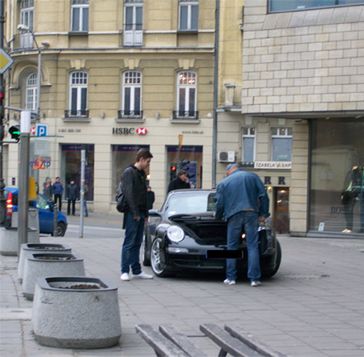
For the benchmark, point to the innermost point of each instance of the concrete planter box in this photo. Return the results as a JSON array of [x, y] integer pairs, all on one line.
[[75, 312], [49, 264], [9, 240], [28, 249]]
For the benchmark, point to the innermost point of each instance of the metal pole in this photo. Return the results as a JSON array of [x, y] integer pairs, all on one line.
[[23, 203], [216, 92], [39, 77], [2, 91], [82, 190]]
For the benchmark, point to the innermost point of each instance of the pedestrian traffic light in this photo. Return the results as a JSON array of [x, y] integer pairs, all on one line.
[[14, 132]]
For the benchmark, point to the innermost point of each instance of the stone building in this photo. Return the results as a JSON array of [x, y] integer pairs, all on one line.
[[300, 122]]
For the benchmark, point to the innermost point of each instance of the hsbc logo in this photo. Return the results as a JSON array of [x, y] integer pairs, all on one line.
[[130, 131], [141, 131]]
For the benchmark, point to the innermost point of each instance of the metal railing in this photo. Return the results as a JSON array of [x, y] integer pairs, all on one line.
[[130, 114], [182, 114], [71, 113]]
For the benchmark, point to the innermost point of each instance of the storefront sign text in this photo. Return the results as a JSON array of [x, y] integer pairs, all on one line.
[[272, 164], [69, 130], [129, 131], [192, 132]]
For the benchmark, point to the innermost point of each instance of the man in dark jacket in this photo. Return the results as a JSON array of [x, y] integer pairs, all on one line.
[[72, 194], [180, 182], [57, 192], [134, 186]]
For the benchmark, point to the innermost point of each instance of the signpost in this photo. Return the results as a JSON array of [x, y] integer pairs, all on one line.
[[5, 61]]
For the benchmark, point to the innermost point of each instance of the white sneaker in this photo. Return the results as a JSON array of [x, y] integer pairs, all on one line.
[[142, 275], [229, 282], [124, 277], [346, 230], [255, 283]]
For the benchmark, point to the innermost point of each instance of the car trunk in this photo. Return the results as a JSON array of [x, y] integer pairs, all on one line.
[[204, 228]]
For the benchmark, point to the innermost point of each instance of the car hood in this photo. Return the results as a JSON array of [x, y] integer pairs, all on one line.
[[204, 228]]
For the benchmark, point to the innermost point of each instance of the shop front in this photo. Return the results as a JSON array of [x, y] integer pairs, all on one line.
[[336, 196]]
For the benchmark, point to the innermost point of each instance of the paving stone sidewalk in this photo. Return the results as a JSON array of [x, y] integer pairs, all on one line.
[[313, 307]]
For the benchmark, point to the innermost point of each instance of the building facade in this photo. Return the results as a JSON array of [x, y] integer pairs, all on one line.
[[301, 122], [115, 76]]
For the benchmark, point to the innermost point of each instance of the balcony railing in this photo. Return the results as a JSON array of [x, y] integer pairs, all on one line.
[[71, 113], [182, 114], [130, 114], [133, 38]]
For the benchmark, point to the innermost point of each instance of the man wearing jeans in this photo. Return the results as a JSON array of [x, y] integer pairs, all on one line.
[[134, 187], [243, 202]]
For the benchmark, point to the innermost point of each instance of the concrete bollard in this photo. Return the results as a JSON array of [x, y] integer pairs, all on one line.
[[9, 240], [75, 312], [49, 264], [27, 249]]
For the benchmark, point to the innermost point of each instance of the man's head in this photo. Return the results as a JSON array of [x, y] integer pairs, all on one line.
[[231, 168], [58, 179], [143, 159], [182, 175]]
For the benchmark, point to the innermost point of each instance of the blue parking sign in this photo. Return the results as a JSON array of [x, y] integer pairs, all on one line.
[[41, 129]]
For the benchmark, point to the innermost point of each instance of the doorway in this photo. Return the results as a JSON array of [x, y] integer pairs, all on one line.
[[281, 209]]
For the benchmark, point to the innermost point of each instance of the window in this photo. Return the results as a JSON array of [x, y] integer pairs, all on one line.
[[186, 95], [78, 94], [79, 15], [131, 94], [281, 144], [26, 18], [284, 5], [248, 144], [188, 15], [133, 23], [31, 92]]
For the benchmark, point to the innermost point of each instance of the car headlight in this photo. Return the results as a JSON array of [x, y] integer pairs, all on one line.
[[175, 234]]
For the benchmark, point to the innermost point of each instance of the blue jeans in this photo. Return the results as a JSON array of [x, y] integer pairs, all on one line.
[[236, 223], [134, 231]]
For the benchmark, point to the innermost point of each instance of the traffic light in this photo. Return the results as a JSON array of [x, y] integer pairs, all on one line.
[[14, 132]]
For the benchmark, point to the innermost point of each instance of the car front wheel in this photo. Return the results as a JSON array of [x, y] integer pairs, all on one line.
[[60, 229], [271, 272], [158, 258]]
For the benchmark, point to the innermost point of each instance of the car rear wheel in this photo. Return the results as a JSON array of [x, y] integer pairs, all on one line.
[[158, 258], [146, 249], [60, 229], [270, 273]]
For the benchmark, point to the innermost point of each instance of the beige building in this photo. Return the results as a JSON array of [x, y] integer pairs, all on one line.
[[115, 76], [301, 122]]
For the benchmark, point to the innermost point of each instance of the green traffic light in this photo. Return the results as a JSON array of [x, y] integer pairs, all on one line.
[[14, 132]]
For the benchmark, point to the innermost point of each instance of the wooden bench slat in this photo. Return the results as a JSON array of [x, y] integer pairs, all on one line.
[[181, 341], [263, 349], [162, 346], [226, 342]]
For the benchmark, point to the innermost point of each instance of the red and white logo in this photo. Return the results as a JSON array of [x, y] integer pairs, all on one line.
[[141, 131]]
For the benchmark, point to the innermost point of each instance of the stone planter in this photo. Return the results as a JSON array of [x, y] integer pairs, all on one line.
[[9, 240], [28, 249], [49, 264], [75, 312]]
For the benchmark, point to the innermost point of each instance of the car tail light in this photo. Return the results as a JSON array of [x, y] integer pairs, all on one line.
[[9, 204]]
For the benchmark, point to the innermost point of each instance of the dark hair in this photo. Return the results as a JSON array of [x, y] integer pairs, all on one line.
[[182, 172], [143, 154]]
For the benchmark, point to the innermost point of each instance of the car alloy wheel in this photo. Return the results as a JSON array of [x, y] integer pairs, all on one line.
[[158, 258], [60, 229]]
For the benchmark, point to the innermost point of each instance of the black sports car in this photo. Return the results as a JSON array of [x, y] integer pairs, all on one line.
[[184, 235]]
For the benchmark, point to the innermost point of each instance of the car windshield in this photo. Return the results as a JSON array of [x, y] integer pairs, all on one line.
[[190, 202], [42, 202]]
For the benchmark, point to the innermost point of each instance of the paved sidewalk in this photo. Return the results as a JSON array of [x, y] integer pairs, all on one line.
[[313, 307]]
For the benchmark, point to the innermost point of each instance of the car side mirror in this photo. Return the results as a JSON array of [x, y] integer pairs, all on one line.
[[154, 213]]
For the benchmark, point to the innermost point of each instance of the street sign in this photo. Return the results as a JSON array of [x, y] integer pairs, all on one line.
[[5, 61], [41, 129]]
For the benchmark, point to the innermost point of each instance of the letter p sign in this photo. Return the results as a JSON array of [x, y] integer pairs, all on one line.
[[41, 130]]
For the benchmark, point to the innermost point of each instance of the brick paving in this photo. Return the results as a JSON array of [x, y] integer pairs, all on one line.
[[313, 307]]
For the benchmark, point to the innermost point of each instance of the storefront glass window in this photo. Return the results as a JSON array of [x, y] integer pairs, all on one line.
[[71, 166], [337, 176]]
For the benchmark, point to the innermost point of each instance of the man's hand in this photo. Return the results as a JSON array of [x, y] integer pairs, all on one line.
[[261, 220], [136, 218]]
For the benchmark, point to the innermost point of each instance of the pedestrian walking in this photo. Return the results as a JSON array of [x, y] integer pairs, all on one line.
[[242, 201], [135, 189], [180, 182], [47, 189], [150, 198], [72, 194], [57, 188]]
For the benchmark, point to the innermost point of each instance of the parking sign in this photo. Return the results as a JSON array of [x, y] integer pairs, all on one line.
[[41, 130]]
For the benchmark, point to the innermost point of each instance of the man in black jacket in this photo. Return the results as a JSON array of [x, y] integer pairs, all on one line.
[[180, 182], [135, 189]]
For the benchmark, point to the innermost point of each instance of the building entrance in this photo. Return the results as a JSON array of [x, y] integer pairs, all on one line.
[[281, 209]]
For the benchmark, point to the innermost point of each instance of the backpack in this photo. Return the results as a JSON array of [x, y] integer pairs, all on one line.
[[121, 203]]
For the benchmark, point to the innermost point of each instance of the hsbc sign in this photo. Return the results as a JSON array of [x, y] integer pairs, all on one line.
[[130, 131]]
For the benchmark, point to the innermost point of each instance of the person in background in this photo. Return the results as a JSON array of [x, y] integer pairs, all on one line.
[[242, 201], [47, 189], [135, 189], [85, 210], [72, 194], [58, 192], [150, 198], [180, 182]]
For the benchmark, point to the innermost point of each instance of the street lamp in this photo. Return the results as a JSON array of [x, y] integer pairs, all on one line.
[[26, 29]]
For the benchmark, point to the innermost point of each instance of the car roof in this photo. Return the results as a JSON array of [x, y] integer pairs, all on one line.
[[11, 189]]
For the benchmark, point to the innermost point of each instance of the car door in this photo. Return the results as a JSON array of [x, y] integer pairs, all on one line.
[[45, 215]]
